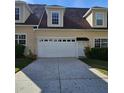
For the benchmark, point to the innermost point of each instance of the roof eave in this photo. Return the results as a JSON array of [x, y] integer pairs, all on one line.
[[87, 13], [59, 7], [24, 25]]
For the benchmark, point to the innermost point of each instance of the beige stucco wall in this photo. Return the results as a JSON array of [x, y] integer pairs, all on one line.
[[33, 35], [91, 34], [31, 39]]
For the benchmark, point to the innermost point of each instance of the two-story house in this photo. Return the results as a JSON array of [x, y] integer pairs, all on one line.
[[57, 31]]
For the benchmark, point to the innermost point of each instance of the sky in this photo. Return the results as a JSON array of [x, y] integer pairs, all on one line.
[[71, 3]]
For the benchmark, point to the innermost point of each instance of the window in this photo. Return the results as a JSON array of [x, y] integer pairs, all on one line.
[[64, 40], [59, 40], [99, 19], [50, 40], [55, 40], [101, 43], [16, 13], [68, 40], [73, 40], [20, 39], [46, 40], [41, 40], [55, 18]]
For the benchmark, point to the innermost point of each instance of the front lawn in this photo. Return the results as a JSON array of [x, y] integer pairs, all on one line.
[[101, 65], [21, 63]]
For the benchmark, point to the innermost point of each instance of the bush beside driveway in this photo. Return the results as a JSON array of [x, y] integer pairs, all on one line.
[[96, 53], [22, 60]]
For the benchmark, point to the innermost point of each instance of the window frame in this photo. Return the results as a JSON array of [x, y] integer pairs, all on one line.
[[96, 14], [58, 12], [101, 42], [19, 13], [22, 39]]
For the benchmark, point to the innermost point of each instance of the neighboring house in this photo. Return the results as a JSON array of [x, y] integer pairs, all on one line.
[[57, 31]]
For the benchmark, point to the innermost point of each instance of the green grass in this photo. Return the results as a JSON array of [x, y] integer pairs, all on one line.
[[101, 65], [21, 63]]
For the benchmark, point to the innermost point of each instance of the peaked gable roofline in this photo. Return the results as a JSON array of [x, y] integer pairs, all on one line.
[[23, 2], [94, 8], [54, 6], [73, 17]]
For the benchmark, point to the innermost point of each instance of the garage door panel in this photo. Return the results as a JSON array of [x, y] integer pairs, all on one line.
[[59, 48]]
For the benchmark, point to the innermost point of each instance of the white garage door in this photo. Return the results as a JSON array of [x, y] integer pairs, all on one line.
[[57, 47]]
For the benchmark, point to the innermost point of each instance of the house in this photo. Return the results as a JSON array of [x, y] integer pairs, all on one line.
[[57, 31]]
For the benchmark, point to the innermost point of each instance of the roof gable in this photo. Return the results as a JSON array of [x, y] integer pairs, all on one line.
[[73, 17], [37, 13]]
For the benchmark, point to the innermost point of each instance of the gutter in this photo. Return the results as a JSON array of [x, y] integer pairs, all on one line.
[[25, 25]]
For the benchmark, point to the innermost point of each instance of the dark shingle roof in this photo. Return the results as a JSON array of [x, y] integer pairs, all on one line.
[[98, 7], [73, 18], [37, 9], [35, 17]]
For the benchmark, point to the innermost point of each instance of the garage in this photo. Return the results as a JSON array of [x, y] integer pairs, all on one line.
[[60, 47]]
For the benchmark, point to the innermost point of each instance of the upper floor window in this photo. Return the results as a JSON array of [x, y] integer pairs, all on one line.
[[55, 18], [99, 19], [16, 13], [101, 43]]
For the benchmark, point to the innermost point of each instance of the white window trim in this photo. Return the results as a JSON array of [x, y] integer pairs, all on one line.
[[96, 19], [19, 14], [23, 34], [58, 19], [98, 38]]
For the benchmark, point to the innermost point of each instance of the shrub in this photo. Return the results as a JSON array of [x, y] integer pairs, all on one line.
[[19, 51], [87, 51], [97, 53], [31, 55]]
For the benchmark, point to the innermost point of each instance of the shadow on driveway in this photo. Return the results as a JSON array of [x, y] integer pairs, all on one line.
[[59, 75]]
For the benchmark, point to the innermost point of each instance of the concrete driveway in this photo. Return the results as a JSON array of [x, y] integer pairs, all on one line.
[[59, 75]]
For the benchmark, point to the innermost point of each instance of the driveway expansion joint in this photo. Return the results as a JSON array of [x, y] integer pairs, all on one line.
[[59, 77]]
